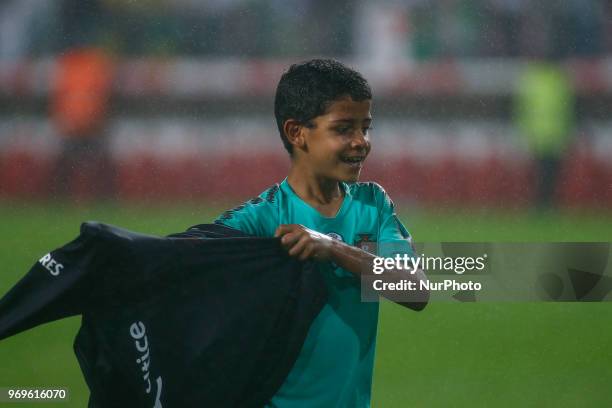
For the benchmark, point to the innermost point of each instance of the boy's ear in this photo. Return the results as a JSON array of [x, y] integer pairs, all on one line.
[[294, 131]]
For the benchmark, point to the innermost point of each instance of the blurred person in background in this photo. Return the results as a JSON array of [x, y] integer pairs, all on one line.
[[80, 99], [545, 117]]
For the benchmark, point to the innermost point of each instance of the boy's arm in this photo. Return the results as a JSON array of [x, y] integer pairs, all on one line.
[[304, 243]]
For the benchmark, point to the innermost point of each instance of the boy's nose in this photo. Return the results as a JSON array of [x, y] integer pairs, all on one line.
[[360, 140]]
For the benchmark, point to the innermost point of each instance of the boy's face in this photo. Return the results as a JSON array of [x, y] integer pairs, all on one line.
[[337, 144]]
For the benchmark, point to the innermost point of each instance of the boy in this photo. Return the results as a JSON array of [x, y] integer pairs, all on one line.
[[322, 110]]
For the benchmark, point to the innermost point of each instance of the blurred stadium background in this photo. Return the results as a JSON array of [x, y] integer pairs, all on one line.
[[491, 123]]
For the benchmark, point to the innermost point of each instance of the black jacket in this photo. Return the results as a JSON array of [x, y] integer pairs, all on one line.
[[205, 318]]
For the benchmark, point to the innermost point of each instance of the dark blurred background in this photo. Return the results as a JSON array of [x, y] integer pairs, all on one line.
[[494, 103], [491, 123]]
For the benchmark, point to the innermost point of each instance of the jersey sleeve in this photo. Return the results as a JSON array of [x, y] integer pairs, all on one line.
[[393, 237], [255, 217]]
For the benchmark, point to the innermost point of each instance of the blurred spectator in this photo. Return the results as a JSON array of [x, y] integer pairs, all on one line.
[[79, 112], [545, 116]]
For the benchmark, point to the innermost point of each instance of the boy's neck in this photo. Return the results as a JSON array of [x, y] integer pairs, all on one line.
[[312, 189]]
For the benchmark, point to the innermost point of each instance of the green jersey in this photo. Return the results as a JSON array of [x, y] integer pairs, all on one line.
[[334, 368]]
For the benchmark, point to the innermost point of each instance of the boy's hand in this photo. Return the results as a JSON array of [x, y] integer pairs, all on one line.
[[304, 243]]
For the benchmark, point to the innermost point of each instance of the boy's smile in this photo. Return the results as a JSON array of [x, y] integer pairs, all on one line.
[[336, 144]]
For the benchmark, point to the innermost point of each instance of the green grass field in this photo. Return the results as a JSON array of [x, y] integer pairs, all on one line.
[[452, 354]]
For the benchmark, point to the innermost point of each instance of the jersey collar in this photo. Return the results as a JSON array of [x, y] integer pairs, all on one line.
[[287, 189]]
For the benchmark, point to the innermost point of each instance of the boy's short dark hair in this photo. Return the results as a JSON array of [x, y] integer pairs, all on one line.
[[306, 90]]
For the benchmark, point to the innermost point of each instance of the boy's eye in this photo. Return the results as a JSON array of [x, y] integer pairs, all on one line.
[[345, 130]]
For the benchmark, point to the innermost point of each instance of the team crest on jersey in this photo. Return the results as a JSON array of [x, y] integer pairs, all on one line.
[[335, 236], [366, 243]]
